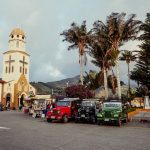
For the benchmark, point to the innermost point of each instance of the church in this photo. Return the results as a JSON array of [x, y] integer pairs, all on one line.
[[14, 84]]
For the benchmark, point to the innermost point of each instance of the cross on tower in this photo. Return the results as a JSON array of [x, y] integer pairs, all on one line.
[[23, 64], [10, 61]]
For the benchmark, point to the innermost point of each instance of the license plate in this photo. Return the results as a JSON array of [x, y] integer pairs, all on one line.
[[82, 115], [52, 117], [106, 119]]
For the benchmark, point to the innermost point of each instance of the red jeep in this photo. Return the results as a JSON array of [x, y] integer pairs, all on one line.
[[64, 110]]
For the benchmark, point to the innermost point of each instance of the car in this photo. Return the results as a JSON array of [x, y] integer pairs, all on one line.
[[64, 110], [88, 110], [113, 111]]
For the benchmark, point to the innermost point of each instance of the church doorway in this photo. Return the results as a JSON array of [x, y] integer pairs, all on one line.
[[8, 99], [21, 103]]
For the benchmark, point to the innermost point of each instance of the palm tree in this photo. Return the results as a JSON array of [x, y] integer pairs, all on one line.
[[120, 30], [128, 57], [91, 80], [78, 37], [98, 50]]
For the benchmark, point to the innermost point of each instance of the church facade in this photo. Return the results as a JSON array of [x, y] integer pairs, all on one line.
[[14, 85]]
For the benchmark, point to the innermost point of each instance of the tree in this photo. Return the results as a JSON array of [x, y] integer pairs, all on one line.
[[111, 85], [98, 50], [142, 69], [120, 30], [128, 57], [136, 75], [80, 91], [91, 80], [77, 36]]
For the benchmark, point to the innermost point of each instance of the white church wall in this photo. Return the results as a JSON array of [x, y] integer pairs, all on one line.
[[16, 64], [9, 88], [16, 43]]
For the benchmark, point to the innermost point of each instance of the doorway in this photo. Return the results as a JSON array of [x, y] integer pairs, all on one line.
[[21, 100], [8, 99]]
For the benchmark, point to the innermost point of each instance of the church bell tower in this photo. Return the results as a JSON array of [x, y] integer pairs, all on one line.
[[16, 71], [16, 59]]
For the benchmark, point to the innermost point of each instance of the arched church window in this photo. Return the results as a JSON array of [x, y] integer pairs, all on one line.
[[20, 69], [12, 69], [17, 35], [9, 69], [22, 37], [6, 69], [12, 36]]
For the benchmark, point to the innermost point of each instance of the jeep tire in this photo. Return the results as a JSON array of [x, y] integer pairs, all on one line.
[[76, 120], [100, 122], [49, 120], [65, 119], [93, 120]]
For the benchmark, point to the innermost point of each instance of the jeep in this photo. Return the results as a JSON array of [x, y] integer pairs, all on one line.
[[112, 111], [64, 110], [87, 111]]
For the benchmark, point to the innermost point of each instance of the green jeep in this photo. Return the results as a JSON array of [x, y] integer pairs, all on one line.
[[112, 111]]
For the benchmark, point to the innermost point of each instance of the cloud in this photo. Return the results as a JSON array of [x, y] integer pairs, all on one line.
[[33, 18], [44, 21]]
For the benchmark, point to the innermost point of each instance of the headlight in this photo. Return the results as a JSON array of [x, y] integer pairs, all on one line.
[[99, 115], [116, 115]]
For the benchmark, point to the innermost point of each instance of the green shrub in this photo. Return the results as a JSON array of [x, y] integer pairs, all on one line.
[[131, 109]]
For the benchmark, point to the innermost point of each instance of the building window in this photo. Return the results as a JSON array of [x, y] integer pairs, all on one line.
[[12, 36], [22, 37], [12, 69], [20, 69], [6, 70], [17, 35], [9, 69]]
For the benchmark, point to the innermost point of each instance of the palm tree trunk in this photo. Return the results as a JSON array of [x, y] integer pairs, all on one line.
[[105, 84], [129, 89], [113, 82], [118, 79], [81, 68]]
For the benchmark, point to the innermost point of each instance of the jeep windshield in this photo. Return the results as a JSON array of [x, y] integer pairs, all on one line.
[[63, 103], [112, 105], [88, 104]]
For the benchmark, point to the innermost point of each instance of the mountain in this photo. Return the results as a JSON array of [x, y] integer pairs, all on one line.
[[63, 83], [56, 87]]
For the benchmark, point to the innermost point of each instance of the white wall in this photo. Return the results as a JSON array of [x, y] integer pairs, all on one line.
[[17, 56]]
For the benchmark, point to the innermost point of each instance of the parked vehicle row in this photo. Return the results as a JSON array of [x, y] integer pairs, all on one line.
[[88, 110]]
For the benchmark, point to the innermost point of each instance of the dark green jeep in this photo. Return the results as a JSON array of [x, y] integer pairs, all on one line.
[[112, 111]]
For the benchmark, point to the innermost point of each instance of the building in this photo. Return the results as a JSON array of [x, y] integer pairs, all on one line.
[[14, 85]]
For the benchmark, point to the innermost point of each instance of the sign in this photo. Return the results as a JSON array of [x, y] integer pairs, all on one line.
[[43, 96], [146, 102]]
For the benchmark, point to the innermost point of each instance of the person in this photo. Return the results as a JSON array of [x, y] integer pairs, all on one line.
[[8, 105], [20, 107]]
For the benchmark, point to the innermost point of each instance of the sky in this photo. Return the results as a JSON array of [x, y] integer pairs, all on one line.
[[44, 20]]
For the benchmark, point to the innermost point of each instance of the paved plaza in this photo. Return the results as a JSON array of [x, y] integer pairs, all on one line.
[[19, 131]]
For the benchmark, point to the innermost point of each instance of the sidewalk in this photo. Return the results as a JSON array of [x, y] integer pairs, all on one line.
[[142, 116]]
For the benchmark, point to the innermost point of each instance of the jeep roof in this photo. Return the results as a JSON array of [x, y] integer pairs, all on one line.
[[69, 99]]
